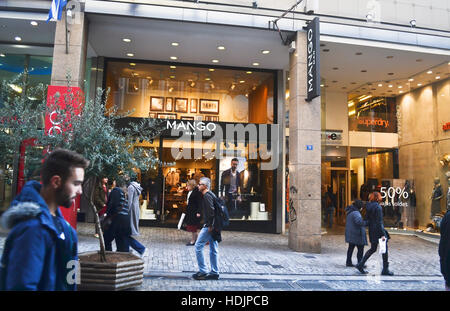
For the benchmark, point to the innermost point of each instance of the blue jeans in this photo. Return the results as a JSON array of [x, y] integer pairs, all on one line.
[[203, 237], [136, 245]]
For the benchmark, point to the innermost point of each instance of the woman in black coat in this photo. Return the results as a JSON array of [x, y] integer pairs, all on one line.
[[374, 215], [355, 231], [193, 210]]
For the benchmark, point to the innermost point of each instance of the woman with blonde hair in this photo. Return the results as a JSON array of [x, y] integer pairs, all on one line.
[[193, 210], [374, 215]]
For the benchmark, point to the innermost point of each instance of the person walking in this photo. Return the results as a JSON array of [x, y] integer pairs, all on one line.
[[100, 198], [120, 227], [207, 235], [355, 231], [444, 248], [40, 252], [374, 215], [193, 210], [330, 206], [134, 191]]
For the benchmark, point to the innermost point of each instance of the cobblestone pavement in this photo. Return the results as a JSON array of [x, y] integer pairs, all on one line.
[[258, 261]]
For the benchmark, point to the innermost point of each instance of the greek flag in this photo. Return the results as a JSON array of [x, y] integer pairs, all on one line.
[[56, 10]]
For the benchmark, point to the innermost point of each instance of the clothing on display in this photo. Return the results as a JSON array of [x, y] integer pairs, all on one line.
[[436, 197]]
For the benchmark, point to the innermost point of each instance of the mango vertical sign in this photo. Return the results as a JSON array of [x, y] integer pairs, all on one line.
[[313, 59], [60, 96]]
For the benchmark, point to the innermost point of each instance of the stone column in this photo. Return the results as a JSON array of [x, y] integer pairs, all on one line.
[[72, 63], [304, 164]]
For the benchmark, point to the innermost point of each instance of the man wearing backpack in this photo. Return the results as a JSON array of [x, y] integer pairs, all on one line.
[[207, 234]]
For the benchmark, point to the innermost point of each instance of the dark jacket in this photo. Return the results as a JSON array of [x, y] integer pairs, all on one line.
[[36, 254], [208, 208], [100, 197], [195, 205], [117, 207], [226, 181], [374, 216], [444, 248], [355, 231]]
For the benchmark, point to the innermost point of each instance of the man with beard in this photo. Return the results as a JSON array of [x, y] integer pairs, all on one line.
[[40, 251]]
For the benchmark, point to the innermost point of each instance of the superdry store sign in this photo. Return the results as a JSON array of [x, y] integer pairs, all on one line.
[[446, 126], [313, 59]]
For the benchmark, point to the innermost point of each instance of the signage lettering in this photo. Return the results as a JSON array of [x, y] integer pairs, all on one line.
[[313, 64], [188, 126], [446, 126], [373, 122]]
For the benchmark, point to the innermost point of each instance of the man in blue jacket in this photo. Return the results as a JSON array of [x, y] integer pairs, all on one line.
[[40, 252]]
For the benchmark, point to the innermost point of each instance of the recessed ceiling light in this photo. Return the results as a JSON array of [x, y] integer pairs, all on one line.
[[390, 85], [33, 23], [211, 69], [255, 64], [411, 80], [401, 92], [322, 85], [173, 57], [400, 86], [207, 79], [438, 77], [429, 72], [173, 67], [221, 47], [17, 38], [242, 81], [380, 85], [419, 84], [249, 72], [215, 60], [175, 44], [130, 54], [132, 64], [172, 77], [265, 51], [127, 40]]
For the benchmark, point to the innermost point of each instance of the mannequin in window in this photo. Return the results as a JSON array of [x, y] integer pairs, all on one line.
[[229, 185], [436, 197], [247, 179]]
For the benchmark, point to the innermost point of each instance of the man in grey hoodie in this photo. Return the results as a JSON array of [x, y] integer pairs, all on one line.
[[134, 191]]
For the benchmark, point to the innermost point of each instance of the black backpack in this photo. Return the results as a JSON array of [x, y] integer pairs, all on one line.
[[221, 215]]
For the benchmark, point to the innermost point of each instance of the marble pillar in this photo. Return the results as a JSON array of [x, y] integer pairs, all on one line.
[[71, 61], [304, 164]]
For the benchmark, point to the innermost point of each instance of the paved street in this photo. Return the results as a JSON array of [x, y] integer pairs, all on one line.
[[263, 262]]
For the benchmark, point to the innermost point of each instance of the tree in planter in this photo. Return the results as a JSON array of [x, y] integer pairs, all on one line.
[[84, 126]]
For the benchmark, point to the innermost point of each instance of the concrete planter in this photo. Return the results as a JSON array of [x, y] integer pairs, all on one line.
[[121, 271]]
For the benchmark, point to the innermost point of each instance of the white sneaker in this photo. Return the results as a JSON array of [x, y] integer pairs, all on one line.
[[145, 254]]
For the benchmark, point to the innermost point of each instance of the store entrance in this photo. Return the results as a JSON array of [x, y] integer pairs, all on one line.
[[338, 184], [182, 163]]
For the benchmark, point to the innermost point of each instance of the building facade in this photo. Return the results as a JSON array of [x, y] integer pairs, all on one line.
[[240, 68]]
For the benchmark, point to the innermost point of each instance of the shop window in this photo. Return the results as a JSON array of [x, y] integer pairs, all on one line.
[[372, 114], [175, 91]]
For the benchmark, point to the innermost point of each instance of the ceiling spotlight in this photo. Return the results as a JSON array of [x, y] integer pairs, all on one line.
[[192, 84], [232, 86], [221, 47], [438, 77], [242, 81], [265, 51], [211, 69], [411, 80], [175, 44], [127, 40], [390, 85], [380, 85], [132, 64], [172, 77], [255, 64], [173, 57], [400, 86], [215, 60], [170, 89], [33, 23], [130, 54], [413, 23], [249, 72], [419, 84], [429, 72], [17, 38], [207, 79]]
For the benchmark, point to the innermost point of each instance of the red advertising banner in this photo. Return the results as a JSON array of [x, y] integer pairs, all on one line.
[[63, 95]]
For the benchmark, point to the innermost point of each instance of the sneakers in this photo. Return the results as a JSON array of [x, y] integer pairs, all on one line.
[[199, 276], [96, 235], [212, 276], [205, 276], [145, 253], [190, 244]]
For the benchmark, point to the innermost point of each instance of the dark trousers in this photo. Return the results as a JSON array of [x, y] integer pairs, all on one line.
[[359, 254], [122, 242], [373, 249]]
